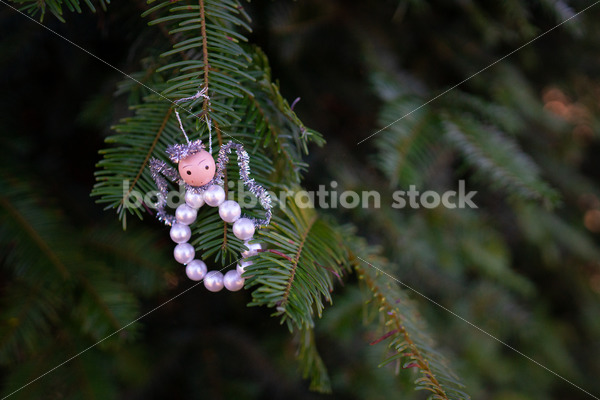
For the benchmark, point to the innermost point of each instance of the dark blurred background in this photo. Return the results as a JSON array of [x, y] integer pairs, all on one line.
[[58, 104]]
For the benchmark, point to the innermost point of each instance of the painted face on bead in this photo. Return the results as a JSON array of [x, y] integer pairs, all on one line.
[[197, 169]]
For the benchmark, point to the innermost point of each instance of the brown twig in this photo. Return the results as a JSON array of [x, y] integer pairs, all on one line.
[[204, 53]]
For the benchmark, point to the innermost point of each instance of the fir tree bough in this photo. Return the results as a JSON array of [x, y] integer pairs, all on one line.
[[522, 266], [304, 253]]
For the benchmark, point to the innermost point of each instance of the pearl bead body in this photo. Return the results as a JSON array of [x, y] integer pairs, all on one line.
[[196, 270], [180, 233], [213, 281], [243, 229], [184, 253], [194, 200], [233, 281], [251, 249], [185, 214], [230, 211], [214, 195]]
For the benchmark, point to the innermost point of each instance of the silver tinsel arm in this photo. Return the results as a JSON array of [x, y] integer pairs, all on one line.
[[244, 163], [160, 170]]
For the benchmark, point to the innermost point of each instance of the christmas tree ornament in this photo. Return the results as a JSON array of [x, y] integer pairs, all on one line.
[[203, 180]]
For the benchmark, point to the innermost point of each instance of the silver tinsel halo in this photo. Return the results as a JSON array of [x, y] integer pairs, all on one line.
[[178, 152]]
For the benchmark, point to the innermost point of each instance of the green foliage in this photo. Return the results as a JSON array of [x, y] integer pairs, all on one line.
[[494, 155], [311, 362], [525, 274], [65, 287], [410, 344], [57, 7], [194, 68], [409, 148], [295, 273]]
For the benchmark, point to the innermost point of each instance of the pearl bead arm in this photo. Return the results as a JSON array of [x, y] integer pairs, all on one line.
[[230, 211]]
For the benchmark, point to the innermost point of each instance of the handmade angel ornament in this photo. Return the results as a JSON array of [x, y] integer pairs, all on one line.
[[203, 179]]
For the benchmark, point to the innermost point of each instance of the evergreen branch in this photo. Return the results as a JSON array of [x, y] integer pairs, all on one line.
[[91, 375], [417, 358], [145, 162], [279, 253], [272, 131], [204, 55], [140, 262], [303, 235], [407, 154], [219, 139], [214, 238], [411, 146], [493, 154], [222, 60], [409, 340], [35, 237], [489, 113], [295, 273], [547, 230], [311, 362], [115, 325], [125, 254], [141, 4], [26, 318], [285, 134], [149, 129], [33, 7], [103, 304]]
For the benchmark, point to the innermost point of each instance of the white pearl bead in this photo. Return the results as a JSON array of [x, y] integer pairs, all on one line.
[[196, 270], [184, 253], [243, 229], [252, 249], [242, 265], [194, 200], [214, 281], [214, 195], [185, 214], [180, 233], [233, 281], [230, 211]]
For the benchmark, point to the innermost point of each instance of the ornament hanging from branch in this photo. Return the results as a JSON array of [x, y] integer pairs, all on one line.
[[203, 179]]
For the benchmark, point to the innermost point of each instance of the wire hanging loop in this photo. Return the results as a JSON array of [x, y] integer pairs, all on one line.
[[201, 93]]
